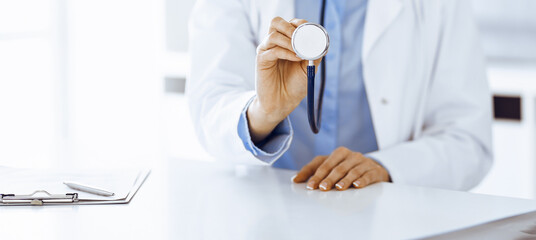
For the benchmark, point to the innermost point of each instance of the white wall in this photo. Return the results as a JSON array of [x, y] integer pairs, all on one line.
[[115, 86], [28, 80], [508, 28], [177, 14], [80, 82]]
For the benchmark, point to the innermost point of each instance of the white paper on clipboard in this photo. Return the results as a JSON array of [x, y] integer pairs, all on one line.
[[123, 183]]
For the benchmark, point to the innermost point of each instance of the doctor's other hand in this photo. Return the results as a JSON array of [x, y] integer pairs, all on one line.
[[281, 79], [342, 169]]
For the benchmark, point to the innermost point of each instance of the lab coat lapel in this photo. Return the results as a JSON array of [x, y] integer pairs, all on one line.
[[380, 15]]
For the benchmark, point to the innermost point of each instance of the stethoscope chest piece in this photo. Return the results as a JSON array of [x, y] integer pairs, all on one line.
[[310, 41]]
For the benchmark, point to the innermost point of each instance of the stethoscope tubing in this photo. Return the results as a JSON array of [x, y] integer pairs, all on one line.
[[315, 120]]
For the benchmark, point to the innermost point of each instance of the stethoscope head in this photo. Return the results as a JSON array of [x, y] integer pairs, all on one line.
[[310, 41]]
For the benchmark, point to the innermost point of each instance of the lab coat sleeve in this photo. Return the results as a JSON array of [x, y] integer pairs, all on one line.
[[454, 149], [273, 147], [222, 77]]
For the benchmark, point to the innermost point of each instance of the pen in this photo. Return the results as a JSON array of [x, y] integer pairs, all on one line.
[[88, 189]]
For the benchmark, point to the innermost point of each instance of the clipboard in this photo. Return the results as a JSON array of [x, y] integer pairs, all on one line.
[[61, 195]]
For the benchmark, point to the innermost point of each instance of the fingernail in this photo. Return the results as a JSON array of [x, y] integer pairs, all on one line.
[[292, 178], [324, 186], [310, 185], [339, 185], [356, 183]]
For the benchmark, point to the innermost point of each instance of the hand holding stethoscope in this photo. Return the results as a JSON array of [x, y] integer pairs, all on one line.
[[281, 75]]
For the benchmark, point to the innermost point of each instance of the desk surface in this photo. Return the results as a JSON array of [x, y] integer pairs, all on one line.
[[203, 200]]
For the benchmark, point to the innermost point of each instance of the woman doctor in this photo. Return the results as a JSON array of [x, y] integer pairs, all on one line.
[[406, 97]]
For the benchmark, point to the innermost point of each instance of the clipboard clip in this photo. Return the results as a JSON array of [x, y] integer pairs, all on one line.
[[38, 198]]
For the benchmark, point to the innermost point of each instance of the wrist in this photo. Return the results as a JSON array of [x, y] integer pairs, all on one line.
[[261, 114], [261, 122]]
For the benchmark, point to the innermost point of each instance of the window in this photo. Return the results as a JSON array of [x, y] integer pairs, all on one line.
[[508, 28], [80, 82]]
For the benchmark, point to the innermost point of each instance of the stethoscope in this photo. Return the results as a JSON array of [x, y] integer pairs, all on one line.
[[310, 42]]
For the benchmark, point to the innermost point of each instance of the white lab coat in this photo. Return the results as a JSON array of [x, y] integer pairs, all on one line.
[[423, 70]]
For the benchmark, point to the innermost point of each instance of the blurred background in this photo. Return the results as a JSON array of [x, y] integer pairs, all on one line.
[[101, 83]]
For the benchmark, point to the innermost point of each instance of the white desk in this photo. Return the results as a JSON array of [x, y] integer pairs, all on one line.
[[203, 200]]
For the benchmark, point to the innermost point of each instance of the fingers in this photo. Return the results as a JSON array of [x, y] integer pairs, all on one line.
[[276, 53], [297, 22], [275, 39], [278, 44], [309, 169], [354, 173], [343, 168], [339, 172], [369, 177], [325, 168], [317, 61], [280, 25]]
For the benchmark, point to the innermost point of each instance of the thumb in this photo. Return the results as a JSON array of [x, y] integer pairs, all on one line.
[[318, 61]]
